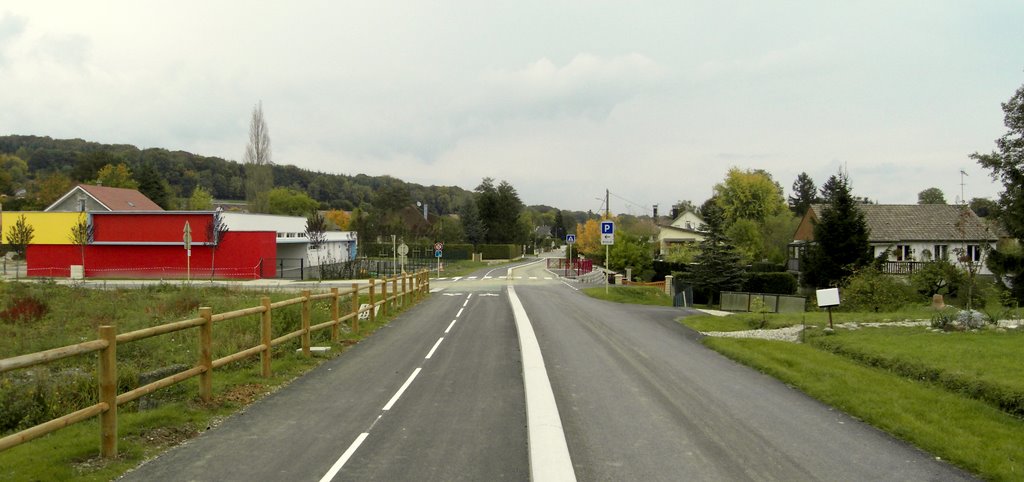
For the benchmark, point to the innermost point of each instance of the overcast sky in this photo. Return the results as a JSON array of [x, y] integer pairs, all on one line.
[[654, 101]]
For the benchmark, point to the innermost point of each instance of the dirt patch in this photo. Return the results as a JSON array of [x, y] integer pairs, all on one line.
[[241, 395]]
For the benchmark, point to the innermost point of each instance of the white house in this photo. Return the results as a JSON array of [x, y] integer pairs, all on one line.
[[685, 228], [913, 233]]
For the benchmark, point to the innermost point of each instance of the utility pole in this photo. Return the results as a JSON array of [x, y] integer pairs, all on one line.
[[607, 208]]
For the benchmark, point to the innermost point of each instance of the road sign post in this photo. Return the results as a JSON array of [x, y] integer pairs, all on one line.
[[438, 252], [607, 239], [187, 240], [570, 239]]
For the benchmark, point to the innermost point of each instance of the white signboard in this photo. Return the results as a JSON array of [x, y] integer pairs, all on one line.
[[828, 297], [607, 233]]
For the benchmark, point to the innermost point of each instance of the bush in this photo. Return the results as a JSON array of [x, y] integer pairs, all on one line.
[[871, 290], [25, 308], [937, 277], [766, 267], [771, 282], [951, 319]]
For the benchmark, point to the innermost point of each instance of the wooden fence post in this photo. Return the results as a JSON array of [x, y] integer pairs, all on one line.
[[305, 323], [384, 296], [206, 354], [426, 282], [395, 294], [354, 321], [405, 293], [108, 392], [265, 337], [334, 315], [373, 308]]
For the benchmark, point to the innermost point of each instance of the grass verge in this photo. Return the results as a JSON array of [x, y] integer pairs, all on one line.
[[969, 433], [71, 314], [637, 295]]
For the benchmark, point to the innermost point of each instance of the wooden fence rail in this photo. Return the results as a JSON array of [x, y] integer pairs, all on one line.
[[414, 287]]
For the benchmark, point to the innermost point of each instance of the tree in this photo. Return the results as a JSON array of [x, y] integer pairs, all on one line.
[[630, 251], [588, 240], [50, 188], [472, 226], [200, 200], [558, 227], [316, 233], [840, 244], [20, 235], [289, 202], [1007, 166], [339, 218], [215, 231], [932, 195], [984, 207], [499, 211], [117, 175], [750, 194], [152, 185], [81, 235], [717, 265], [804, 194], [259, 175]]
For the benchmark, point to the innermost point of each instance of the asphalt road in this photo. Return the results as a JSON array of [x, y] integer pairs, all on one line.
[[439, 395]]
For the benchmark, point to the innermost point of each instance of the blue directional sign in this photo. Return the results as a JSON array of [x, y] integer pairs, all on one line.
[[570, 239], [437, 253], [607, 233]]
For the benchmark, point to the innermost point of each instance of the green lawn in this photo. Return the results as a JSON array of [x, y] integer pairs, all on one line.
[[638, 295], [958, 395], [970, 433]]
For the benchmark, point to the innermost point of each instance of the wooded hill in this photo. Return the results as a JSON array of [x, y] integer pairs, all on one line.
[[181, 172]]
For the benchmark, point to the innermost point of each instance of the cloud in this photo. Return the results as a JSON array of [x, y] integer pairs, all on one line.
[[11, 27], [587, 85]]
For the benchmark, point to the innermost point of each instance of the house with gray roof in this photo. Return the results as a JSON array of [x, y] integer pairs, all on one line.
[[913, 234]]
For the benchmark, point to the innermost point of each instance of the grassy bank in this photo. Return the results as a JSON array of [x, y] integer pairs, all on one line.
[[35, 317], [637, 295], [956, 395]]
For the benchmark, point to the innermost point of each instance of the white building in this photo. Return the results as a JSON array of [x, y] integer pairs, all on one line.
[[292, 242]]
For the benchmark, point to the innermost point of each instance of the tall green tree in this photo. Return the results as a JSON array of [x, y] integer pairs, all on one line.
[[805, 193], [499, 208], [932, 195], [840, 244], [259, 174], [750, 194], [1007, 166], [717, 265], [472, 226], [152, 185]]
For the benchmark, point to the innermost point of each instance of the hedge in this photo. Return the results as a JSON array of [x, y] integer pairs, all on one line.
[[771, 283]]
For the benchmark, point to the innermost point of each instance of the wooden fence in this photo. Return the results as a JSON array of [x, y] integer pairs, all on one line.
[[405, 290]]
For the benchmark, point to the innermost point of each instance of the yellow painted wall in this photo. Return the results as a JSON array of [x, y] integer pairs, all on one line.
[[50, 228]]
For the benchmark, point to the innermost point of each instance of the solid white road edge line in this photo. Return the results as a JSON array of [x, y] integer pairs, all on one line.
[[549, 454], [400, 391], [344, 458], [431, 353]]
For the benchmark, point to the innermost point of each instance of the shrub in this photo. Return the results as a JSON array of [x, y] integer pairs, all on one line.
[[951, 319], [24, 309], [773, 283], [871, 290], [937, 277]]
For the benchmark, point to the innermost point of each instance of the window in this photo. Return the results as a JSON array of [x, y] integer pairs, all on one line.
[[941, 251], [904, 252], [974, 253]]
